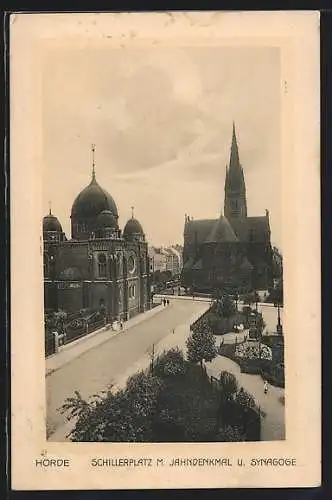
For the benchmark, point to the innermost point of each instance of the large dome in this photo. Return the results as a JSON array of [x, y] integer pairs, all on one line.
[[93, 200], [51, 223], [105, 220]]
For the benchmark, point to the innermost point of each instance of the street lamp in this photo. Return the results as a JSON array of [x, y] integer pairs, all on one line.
[[279, 325]]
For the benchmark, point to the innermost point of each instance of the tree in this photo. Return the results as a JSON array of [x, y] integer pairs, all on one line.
[[226, 307], [122, 417], [201, 346], [245, 399], [228, 384]]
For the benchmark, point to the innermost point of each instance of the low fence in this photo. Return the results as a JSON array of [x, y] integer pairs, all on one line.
[[70, 333]]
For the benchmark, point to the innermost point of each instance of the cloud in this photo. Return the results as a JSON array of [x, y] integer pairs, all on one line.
[[161, 120]]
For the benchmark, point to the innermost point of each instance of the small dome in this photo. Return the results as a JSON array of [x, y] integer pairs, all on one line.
[[93, 200], [133, 227], [106, 220], [51, 223]]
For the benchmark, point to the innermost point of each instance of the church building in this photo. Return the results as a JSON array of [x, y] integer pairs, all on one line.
[[100, 266], [234, 251]]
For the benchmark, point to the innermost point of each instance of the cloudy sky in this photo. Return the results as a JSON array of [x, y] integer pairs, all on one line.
[[161, 120]]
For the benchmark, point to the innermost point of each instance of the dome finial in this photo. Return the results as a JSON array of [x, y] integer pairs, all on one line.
[[132, 212], [50, 208], [93, 149]]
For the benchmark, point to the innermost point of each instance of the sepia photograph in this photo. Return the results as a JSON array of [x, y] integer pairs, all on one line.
[[162, 252], [164, 168]]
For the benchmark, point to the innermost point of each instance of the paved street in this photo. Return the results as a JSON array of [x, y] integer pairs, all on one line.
[[115, 359], [126, 353]]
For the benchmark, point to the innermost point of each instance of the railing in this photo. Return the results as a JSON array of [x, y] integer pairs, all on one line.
[[54, 339]]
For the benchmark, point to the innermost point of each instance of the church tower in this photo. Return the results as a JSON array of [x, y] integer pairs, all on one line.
[[235, 204]]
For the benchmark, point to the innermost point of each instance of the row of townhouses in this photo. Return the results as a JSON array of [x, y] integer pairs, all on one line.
[[166, 259]]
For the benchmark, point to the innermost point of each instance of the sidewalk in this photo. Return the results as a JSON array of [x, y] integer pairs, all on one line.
[[78, 347]]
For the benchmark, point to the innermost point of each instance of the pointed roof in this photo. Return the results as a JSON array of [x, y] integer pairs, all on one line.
[[234, 158], [234, 174], [221, 232], [199, 230]]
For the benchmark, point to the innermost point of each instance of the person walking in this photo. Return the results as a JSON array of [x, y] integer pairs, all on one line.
[[168, 302], [121, 325], [265, 387], [164, 302]]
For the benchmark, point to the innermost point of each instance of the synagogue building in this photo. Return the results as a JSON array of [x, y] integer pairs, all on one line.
[[100, 266]]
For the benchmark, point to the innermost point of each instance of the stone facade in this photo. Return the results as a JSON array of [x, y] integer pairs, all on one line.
[[100, 266], [233, 252]]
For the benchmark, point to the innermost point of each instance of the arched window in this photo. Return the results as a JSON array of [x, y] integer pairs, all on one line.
[[132, 291], [102, 265]]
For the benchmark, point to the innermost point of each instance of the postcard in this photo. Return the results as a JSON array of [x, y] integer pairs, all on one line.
[[165, 243]]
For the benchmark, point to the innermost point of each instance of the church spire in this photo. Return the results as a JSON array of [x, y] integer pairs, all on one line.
[[235, 204], [234, 162]]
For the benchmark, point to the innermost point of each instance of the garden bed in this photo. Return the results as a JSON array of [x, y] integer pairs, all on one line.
[[267, 369]]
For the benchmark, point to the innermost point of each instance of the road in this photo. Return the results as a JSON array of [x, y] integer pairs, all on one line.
[[114, 359]]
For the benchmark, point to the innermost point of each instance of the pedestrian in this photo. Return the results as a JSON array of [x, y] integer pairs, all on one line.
[[168, 302], [121, 324], [164, 302], [173, 330], [265, 387]]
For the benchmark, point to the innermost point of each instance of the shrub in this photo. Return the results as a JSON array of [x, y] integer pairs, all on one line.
[[244, 399], [228, 384], [170, 363], [253, 350]]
